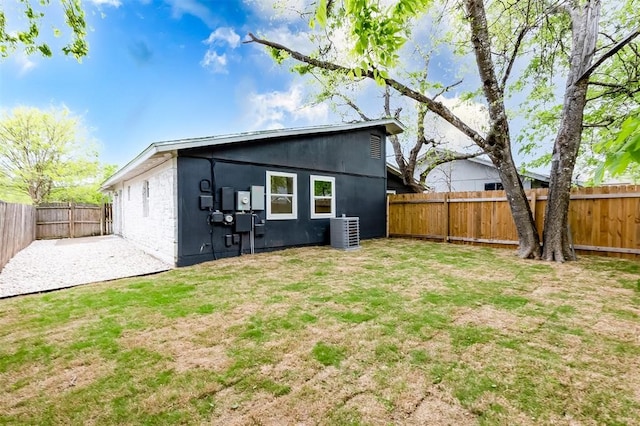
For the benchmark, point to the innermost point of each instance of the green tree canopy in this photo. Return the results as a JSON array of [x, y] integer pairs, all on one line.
[[622, 154], [44, 156]]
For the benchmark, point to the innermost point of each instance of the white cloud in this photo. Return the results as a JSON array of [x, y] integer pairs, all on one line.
[[224, 34], [214, 62], [275, 110], [192, 7], [472, 113], [113, 3], [25, 64], [280, 10], [297, 40]]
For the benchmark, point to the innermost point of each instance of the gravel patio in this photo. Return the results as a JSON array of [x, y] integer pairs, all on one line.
[[54, 264]]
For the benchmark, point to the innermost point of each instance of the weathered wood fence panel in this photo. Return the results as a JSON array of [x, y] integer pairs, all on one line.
[[107, 218], [69, 220], [604, 220], [17, 229]]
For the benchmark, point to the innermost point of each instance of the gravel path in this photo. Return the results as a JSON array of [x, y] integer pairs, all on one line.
[[53, 264]]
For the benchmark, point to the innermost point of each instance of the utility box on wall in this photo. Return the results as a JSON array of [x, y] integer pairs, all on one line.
[[243, 201], [243, 222], [226, 196], [257, 198]]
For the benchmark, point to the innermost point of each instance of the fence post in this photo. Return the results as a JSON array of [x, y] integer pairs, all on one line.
[[72, 218], [533, 204], [446, 217], [387, 229]]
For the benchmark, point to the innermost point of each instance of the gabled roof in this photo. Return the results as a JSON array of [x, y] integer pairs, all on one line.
[[482, 160], [526, 174], [158, 152], [394, 170]]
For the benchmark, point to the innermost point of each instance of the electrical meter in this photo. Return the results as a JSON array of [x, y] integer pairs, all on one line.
[[243, 201]]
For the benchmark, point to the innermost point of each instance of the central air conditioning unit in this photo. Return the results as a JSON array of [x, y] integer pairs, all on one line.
[[345, 233]]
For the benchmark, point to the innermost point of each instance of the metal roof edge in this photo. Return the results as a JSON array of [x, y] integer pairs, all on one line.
[[131, 165], [526, 174], [392, 127]]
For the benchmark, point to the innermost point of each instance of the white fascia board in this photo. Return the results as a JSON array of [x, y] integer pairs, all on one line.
[[391, 125], [132, 165]]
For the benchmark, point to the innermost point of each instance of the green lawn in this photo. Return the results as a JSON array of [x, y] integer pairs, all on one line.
[[399, 332]]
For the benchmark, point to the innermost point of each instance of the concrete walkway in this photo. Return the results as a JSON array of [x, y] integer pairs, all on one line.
[[53, 264]]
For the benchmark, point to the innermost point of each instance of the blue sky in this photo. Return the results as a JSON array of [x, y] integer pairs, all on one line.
[[172, 69], [165, 69]]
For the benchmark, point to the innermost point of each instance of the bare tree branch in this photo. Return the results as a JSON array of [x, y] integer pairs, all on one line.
[[447, 88], [438, 157], [622, 43], [432, 105], [353, 106], [514, 55]]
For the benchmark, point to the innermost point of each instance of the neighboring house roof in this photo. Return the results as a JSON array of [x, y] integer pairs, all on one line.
[[397, 173], [158, 152], [527, 175], [486, 162]]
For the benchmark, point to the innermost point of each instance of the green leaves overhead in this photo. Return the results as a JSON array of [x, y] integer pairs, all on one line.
[[30, 38], [279, 56], [621, 152], [378, 32], [321, 14]]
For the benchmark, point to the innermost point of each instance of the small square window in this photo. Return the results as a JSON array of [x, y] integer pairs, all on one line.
[[493, 186], [282, 199], [323, 197]]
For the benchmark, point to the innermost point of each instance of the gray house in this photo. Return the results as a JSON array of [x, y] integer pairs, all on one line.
[[475, 174], [192, 200]]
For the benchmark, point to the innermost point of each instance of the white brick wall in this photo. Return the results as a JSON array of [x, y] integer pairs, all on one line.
[[156, 233]]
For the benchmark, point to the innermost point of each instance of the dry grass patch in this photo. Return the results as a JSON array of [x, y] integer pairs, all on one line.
[[63, 376], [399, 332]]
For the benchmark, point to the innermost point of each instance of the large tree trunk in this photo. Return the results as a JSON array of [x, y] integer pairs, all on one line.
[[585, 22], [497, 144], [556, 241], [528, 238]]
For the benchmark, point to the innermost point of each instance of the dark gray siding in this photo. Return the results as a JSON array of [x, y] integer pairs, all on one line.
[[360, 186], [395, 183]]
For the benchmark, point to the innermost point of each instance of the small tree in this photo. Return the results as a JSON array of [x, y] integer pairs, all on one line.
[[43, 154]]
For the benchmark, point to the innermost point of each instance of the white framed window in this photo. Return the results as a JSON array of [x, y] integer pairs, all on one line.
[[323, 197], [282, 195]]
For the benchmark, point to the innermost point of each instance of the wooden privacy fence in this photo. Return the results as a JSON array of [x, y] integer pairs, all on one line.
[[603, 220], [69, 220], [17, 229]]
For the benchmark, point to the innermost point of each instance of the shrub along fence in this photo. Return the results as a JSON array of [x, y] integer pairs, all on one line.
[[603, 220], [17, 229], [70, 220]]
